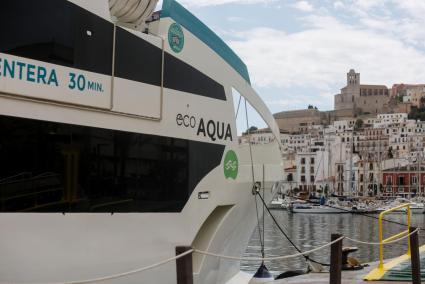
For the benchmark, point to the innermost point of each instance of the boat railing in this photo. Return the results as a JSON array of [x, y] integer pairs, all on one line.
[[17, 177], [30, 191], [393, 237]]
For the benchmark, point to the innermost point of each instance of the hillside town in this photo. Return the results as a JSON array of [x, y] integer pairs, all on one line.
[[371, 144]]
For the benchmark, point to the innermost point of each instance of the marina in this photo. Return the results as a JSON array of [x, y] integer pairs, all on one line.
[[311, 231]]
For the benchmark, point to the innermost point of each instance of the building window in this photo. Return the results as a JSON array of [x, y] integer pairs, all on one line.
[[289, 177], [312, 161], [311, 178], [303, 170], [371, 166], [401, 180], [311, 170], [302, 178], [302, 161]]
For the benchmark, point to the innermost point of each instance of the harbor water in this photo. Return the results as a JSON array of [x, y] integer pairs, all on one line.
[[309, 231]]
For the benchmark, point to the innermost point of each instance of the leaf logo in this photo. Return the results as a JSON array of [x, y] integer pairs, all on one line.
[[231, 165]]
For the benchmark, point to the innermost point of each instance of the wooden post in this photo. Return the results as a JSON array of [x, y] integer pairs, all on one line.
[[336, 260], [414, 255], [184, 266]]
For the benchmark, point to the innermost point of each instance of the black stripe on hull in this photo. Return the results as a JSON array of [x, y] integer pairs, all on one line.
[[183, 77], [137, 59], [59, 32], [56, 167]]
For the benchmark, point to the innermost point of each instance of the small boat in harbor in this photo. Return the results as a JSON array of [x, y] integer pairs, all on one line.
[[276, 203], [289, 202], [415, 207], [316, 209], [360, 208], [329, 207]]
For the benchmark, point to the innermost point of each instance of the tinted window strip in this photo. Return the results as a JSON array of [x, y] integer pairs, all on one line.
[[181, 76], [57, 32], [56, 167], [137, 59]]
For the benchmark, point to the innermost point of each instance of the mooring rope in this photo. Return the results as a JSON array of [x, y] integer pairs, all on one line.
[[383, 243], [267, 258], [307, 258]]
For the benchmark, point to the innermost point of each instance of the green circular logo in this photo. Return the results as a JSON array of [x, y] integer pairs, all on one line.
[[231, 165], [176, 37]]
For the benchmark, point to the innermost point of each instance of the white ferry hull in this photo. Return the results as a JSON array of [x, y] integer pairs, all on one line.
[[73, 111]]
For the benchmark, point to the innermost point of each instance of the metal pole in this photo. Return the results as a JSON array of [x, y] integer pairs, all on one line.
[[414, 255], [350, 174], [419, 173], [380, 180], [184, 266], [364, 174], [336, 260]]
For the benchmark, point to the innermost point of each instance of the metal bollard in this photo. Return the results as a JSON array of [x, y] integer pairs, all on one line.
[[336, 260], [414, 255], [184, 266]]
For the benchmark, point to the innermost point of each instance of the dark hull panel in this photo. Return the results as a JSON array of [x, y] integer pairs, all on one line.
[[55, 167]]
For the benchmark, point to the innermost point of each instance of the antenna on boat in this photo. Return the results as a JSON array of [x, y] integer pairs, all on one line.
[[132, 13]]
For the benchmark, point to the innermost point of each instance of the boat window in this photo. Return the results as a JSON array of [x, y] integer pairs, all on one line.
[[247, 118], [58, 32], [55, 167]]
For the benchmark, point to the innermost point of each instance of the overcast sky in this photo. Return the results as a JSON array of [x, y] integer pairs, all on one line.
[[298, 52]]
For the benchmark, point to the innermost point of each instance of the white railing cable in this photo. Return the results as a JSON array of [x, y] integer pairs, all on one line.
[[119, 275], [383, 243], [267, 258], [193, 250]]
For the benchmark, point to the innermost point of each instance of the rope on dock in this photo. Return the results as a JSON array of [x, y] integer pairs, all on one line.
[[383, 243], [267, 258]]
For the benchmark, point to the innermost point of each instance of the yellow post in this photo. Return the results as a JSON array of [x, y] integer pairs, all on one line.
[[381, 245], [381, 237], [408, 229]]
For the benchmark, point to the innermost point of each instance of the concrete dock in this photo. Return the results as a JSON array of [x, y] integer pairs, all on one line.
[[348, 277]]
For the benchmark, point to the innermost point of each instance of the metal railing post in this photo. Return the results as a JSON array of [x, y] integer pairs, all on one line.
[[184, 267], [414, 254], [336, 260]]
